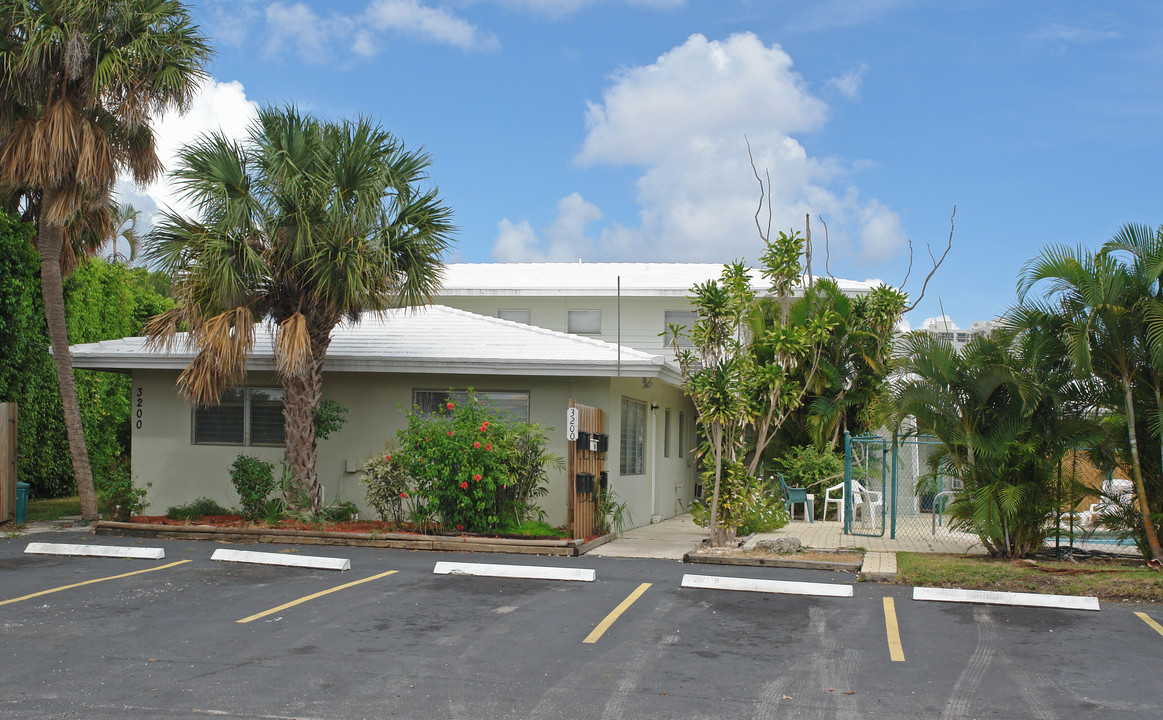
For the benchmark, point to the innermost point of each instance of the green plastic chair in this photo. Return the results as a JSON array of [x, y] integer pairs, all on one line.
[[795, 495]]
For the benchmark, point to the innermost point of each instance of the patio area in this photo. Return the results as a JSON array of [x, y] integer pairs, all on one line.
[[913, 534]]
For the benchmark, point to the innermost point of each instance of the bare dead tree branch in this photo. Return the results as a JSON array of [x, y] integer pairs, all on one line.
[[910, 270], [936, 262], [764, 194], [827, 250]]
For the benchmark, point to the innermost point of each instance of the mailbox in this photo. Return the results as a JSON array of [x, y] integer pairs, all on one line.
[[585, 482], [583, 440], [603, 443], [603, 481]]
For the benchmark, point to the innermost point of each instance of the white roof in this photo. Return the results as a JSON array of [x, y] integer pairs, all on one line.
[[593, 279], [433, 339]]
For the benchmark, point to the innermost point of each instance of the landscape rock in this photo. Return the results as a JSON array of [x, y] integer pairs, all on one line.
[[781, 545]]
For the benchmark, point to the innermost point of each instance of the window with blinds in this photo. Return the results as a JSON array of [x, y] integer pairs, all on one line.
[[632, 453], [513, 405], [243, 416]]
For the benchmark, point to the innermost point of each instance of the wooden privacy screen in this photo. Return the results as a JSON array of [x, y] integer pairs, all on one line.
[[7, 461], [587, 472]]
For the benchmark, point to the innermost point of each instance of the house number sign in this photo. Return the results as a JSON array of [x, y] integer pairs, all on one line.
[[571, 420], [138, 402]]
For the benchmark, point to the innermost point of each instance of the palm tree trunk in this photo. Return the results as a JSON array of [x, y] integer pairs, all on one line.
[[301, 395], [1137, 471], [50, 240]]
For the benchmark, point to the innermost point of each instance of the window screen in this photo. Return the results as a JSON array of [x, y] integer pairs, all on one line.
[[686, 318], [510, 404], [520, 316], [666, 433], [632, 452], [243, 416], [681, 434], [585, 322]]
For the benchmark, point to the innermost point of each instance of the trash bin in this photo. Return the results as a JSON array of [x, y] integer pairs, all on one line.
[[22, 489]]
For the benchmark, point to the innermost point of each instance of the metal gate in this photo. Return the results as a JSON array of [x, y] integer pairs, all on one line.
[[866, 467], [890, 488], [587, 470]]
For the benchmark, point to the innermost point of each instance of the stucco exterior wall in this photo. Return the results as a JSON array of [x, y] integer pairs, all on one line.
[[176, 471], [642, 318]]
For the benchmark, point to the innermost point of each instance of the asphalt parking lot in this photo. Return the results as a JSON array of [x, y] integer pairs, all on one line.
[[185, 637]]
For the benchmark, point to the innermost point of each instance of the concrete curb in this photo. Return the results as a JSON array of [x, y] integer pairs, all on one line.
[[695, 558], [992, 597], [879, 567], [524, 572], [263, 558], [108, 551], [782, 587]]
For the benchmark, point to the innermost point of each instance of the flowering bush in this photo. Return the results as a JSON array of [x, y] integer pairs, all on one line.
[[467, 468], [388, 491]]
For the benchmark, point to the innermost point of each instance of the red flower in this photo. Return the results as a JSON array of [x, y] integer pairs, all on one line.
[[403, 494], [464, 486], [387, 458], [460, 527], [449, 433], [449, 406], [489, 447], [477, 477], [476, 446]]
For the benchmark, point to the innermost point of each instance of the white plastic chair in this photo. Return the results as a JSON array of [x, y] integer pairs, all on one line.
[[838, 500], [867, 499], [1116, 493], [862, 497]]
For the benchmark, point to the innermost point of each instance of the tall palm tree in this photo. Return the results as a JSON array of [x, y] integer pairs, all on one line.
[[302, 224], [80, 82], [1099, 302]]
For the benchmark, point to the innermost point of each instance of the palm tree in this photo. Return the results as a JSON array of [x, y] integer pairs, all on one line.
[[1100, 303], [303, 224], [80, 82]]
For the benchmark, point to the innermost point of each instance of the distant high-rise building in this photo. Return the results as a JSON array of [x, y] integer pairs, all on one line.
[[960, 337]]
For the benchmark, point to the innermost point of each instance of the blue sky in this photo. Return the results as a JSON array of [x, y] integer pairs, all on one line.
[[613, 130]]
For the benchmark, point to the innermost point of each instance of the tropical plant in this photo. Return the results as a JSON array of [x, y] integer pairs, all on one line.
[[302, 224], [740, 372], [1004, 413], [196, 509], [1109, 317], [389, 490], [80, 83], [470, 468], [253, 480]]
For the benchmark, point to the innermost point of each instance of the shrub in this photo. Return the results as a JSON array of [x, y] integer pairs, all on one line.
[[387, 487], [253, 480], [746, 503], [472, 469], [330, 416], [196, 509], [809, 467], [116, 492]]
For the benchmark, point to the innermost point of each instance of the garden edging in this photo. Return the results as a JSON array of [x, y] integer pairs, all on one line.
[[399, 541], [771, 562]]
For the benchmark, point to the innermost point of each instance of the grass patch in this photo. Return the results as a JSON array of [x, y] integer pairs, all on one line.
[[53, 508], [535, 528], [1105, 579]]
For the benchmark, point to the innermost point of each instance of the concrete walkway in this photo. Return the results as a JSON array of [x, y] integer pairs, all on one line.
[[668, 540]]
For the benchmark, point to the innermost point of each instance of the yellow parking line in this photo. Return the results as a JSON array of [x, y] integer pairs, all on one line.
[[895, 650], [1154, 625], [312, 596], [90, 582], [605, 624]]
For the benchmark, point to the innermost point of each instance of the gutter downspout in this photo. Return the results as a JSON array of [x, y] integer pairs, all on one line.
[[619, 326], [654, 463]]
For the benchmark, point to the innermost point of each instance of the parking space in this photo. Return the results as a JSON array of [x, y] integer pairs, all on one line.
[[197, 637]]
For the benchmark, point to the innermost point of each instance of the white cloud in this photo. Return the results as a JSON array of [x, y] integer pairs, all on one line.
[[1059, 33], [218, 106], [565, 239], [682, 120], [430, 24], [849, 83], [318, 39], [561, 8]]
